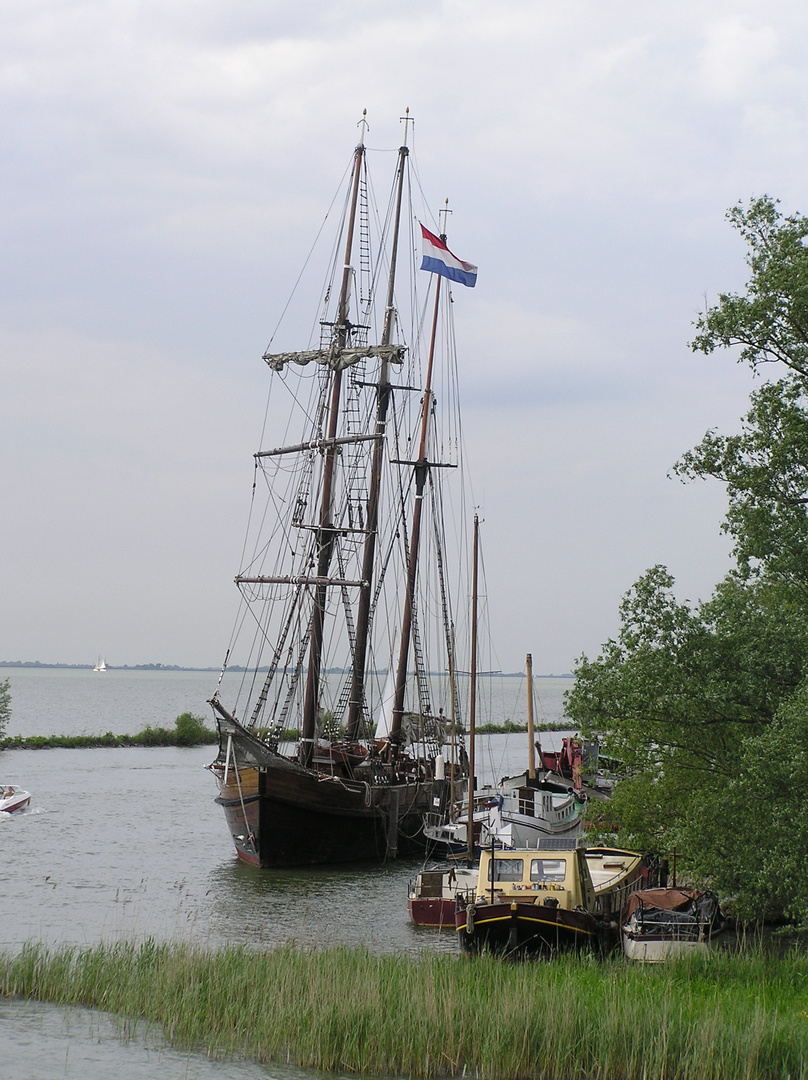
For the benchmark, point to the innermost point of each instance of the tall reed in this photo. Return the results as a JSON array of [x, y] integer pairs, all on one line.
[[727, 1017]]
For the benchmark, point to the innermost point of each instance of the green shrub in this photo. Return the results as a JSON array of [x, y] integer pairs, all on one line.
[[192, 731]]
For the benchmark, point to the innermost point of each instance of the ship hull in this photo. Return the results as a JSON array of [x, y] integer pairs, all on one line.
[[526, 929], [280, 814]]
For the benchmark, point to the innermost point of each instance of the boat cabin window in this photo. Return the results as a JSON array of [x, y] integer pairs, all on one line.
[[548, 869], [506, 869]]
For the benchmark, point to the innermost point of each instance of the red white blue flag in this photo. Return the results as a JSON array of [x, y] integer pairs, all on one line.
[[439, 260]]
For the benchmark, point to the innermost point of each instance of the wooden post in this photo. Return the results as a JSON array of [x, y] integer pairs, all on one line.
[[531, 731]]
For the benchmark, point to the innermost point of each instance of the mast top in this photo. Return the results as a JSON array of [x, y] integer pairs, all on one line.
[[363, 127], [444, 217], [406, 119]]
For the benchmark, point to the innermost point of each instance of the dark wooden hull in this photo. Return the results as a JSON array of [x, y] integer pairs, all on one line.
[[280, 814], [526, 929]]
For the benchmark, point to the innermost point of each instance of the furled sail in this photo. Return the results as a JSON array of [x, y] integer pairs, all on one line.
[[335, 358]]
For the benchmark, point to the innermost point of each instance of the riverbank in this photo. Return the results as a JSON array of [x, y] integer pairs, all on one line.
[[189, 730], [344, 1010], [512, 728], [199, 736]]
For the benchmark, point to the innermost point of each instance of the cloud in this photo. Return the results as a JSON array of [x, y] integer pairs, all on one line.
[[165, 172], [736, 57]]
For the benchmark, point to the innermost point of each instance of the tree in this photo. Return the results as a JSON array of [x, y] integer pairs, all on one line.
[[769, 322], [5, 704], [681, 689], [765, 467], [761, 860], [707, 705]]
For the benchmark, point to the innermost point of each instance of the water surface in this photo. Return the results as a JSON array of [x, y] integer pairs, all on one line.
[[125, 844]]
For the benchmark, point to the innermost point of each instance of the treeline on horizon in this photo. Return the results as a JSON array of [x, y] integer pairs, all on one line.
[[237, 667]]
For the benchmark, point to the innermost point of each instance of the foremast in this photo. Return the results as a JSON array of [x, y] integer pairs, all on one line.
[[326, 532], [356, 704]]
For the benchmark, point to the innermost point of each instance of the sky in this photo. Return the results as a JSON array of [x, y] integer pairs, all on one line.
[[165, 167]]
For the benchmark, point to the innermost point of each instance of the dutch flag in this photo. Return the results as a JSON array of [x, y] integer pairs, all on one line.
[[439, 260]]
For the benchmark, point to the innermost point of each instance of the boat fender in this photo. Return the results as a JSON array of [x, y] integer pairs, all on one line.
[[367, 793], [470, 919]]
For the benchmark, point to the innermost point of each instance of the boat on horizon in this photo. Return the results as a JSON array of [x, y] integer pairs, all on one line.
[[347, 563], [101, 665]]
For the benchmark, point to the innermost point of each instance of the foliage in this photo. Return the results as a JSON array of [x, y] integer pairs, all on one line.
[[765, 468], [5, 704], [189, 730], [761, 862], [706, 704], [769, 322], [342, 1011]]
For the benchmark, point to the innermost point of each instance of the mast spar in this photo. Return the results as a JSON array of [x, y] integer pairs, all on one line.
[[421, 471], [384, 393], [473, 692], [326, 532]]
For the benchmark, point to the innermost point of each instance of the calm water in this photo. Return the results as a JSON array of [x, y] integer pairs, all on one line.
[[126, 844]]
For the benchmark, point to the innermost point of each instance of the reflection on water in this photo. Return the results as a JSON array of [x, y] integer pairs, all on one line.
[[361, 906]]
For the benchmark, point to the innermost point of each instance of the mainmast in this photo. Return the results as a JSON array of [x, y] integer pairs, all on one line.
[[384, 392], [326, 533], [421, 471]]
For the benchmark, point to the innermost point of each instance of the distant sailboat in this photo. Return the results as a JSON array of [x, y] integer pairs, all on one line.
[[101, 665]]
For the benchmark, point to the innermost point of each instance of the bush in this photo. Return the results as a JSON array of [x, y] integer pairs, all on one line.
[[191, 730], [5, 704]]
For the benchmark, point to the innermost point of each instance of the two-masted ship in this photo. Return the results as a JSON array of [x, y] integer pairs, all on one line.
[[339, 704]]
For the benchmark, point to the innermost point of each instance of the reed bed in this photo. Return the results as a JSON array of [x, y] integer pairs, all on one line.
[[726, 1017]]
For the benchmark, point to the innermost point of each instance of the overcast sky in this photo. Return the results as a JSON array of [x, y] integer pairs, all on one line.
[[164, 169]]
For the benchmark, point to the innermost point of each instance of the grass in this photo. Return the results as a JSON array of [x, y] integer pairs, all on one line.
[[189, 730], [726, 1017]]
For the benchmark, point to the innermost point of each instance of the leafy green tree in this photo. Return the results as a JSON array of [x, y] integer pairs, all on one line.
[[765, 467], [760, 859], [5, 704], [680, 689], [769, 322], [191, 730], [707, 705]]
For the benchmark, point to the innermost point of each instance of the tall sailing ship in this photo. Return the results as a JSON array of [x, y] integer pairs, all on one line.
[[346, 632]]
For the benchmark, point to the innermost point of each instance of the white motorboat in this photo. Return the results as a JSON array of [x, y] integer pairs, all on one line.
[[658, 924], [13, 798], [522, 813]]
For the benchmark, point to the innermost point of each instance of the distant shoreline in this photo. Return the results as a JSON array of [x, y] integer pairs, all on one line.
[[36, 665]]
